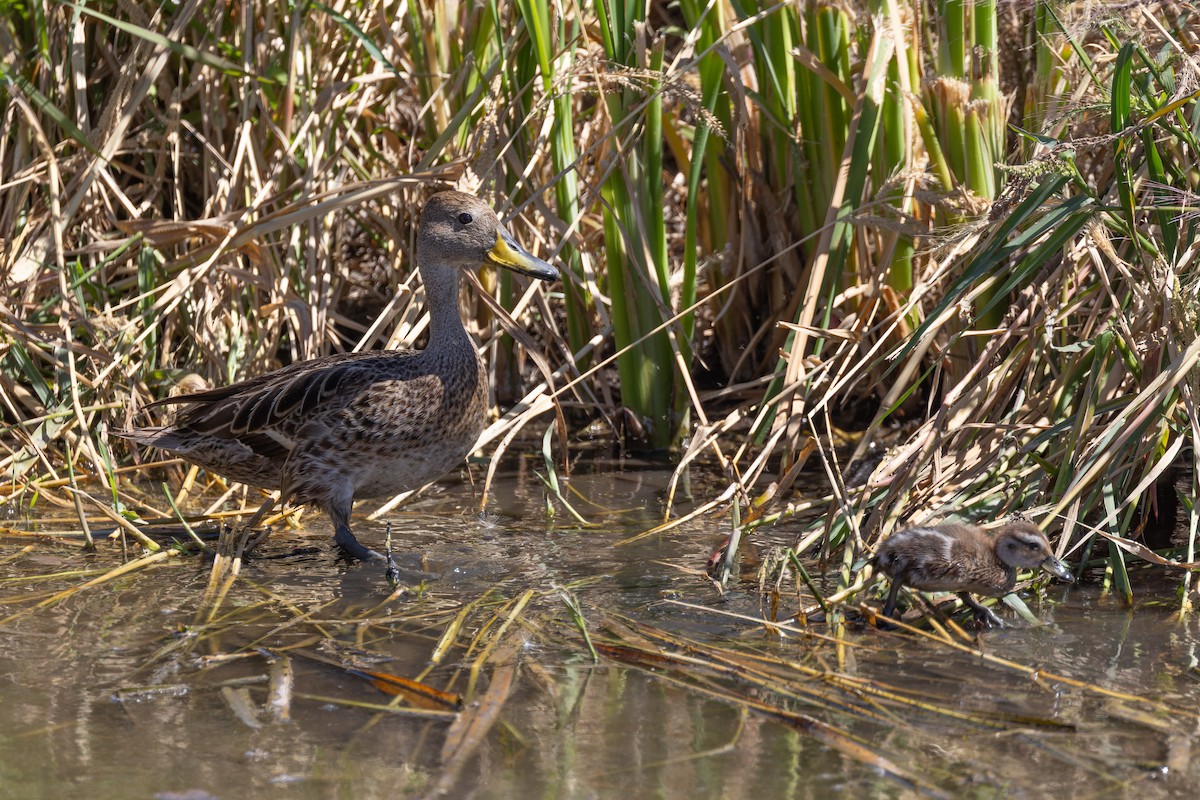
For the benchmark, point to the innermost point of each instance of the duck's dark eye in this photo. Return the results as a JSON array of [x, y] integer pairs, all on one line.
[[464, 218]]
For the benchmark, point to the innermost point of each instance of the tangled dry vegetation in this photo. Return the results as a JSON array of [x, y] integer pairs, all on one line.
[[823, 233]]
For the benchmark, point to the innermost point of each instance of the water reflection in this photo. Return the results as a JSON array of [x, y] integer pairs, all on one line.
[[116, 691]]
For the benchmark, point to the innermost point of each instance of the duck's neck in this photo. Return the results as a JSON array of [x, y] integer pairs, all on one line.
[[446, 329]]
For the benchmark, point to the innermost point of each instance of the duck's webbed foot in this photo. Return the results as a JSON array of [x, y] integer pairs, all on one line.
[[344, 538], [352, 547], [984, 616]]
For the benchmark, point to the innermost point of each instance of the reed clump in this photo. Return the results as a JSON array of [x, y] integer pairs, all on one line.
[[965, 238]]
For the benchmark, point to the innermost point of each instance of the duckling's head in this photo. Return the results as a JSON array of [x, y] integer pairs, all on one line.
[[460, 230], [1022, 545]]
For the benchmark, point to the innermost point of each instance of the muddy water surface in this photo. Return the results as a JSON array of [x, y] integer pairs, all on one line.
[[121, 690]]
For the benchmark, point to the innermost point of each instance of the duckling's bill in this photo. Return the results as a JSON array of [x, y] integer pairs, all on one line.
[[510, 255], [1058, 569]]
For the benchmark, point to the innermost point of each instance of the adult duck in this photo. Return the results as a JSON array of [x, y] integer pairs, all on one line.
[[349, 426]]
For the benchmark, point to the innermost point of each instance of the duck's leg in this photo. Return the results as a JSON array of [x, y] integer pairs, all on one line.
[[344, 537], [983, 615]]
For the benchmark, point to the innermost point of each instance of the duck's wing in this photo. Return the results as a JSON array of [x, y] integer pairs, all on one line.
[[278, 403], [247, 431], [251, 385]]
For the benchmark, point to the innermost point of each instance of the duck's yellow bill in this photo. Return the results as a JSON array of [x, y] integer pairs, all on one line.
[[510, 255]]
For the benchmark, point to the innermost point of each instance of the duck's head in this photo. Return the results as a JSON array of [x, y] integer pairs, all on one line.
[[460, 230], [1022, 545]]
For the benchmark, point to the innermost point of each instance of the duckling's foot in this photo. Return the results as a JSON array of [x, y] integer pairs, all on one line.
[[986, 618]]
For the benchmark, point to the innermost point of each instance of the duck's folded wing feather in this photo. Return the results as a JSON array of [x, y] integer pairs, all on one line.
[[264, 411]]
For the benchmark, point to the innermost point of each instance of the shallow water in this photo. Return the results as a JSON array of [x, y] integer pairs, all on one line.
[[120, 690]]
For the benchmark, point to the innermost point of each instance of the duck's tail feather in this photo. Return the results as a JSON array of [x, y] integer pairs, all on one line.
[[164, 438]]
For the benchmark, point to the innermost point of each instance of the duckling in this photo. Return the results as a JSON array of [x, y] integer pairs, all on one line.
[[964, 559]]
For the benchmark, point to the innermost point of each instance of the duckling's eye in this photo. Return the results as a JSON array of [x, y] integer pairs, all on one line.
[[1031, 545], [464, 218]]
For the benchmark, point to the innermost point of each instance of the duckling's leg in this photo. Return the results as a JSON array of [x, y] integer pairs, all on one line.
[[983, 615], [344, 537], [889, 608]]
